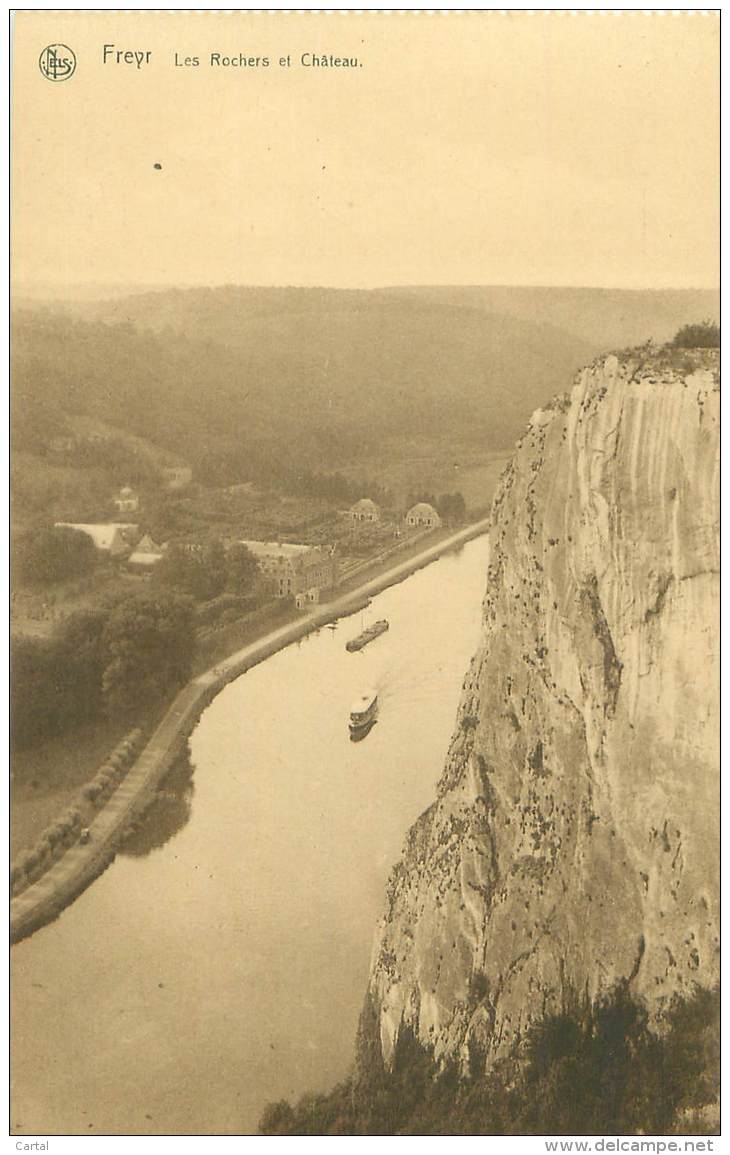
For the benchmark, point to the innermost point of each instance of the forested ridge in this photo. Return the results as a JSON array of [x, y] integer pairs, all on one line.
[[243, 381], [235, 387]]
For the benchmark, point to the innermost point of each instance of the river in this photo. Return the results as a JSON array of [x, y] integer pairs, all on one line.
[[221, 961]]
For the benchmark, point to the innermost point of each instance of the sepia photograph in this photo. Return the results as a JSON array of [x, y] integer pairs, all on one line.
[[365, 576]]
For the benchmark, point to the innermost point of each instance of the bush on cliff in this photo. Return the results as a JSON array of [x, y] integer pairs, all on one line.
[[596, 1069], [705, 335]]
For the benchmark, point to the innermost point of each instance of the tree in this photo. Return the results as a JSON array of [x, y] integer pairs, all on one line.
[[197, 569], [55, 554], [452, 508], [241, 569], [149, 644], [79, 641], [56, 682], [34, 697], [213, 561]]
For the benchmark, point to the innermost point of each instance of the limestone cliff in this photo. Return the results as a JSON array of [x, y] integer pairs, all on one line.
[[574, 837]]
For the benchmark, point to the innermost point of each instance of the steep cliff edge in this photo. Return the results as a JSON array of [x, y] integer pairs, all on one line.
[[574, 837]]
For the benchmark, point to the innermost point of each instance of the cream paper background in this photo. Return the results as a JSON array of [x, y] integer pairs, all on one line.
[[469, 148]]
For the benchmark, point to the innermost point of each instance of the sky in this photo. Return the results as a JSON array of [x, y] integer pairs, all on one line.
[[480, 148]]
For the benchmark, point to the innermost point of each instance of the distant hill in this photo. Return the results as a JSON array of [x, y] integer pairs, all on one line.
[[244, 382], [608, 318], [603, 317], [258, 377]]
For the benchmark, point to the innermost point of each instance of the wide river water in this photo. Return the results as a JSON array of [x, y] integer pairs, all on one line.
[[221, 961]]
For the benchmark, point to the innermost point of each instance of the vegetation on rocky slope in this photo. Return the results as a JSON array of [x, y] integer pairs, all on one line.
[[591, 1069]]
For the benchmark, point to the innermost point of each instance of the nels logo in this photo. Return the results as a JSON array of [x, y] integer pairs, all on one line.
[[57, 62]]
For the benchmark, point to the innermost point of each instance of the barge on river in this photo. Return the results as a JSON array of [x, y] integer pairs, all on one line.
[[368, 635]]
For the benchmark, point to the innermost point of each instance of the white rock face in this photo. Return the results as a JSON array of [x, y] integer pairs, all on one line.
[[574, 840]]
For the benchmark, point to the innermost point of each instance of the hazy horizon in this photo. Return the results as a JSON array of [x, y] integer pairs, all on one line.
[[40, 289]]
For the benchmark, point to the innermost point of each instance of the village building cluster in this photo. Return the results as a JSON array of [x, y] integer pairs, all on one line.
[[287, 569]]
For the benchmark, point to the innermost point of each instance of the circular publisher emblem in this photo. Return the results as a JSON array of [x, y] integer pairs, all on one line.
[[57, 62]]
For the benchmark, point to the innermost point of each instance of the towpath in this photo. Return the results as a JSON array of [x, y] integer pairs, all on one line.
[[47, 897]]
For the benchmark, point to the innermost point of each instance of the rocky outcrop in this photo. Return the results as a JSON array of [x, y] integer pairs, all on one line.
[[573, 841]]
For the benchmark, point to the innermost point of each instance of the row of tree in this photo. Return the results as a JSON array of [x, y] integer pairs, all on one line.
[[334, 486]]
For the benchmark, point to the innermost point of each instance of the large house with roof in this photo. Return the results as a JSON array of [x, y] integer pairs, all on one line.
[[292, 570], [423, 515], [364, 510]]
